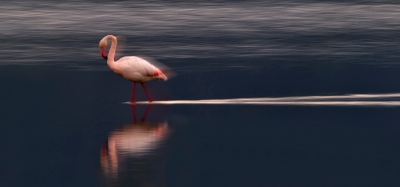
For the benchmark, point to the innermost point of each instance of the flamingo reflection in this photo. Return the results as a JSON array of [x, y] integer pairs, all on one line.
[[131, 142]]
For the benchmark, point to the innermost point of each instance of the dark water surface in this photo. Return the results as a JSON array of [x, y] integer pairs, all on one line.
[[64, 120]]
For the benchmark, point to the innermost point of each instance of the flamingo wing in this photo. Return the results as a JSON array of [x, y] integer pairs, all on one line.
[[137, 69]]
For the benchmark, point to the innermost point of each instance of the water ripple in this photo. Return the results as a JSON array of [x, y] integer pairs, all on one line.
[[67, 33]]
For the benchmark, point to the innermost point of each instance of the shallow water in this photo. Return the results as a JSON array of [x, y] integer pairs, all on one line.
[[276, 93]]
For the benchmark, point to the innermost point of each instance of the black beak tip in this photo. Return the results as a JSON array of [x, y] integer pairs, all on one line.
[[105, 57]]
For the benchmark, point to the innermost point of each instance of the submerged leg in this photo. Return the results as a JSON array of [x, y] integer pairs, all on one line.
[[133, 93], [133, 109], [147, 93], [145, 113]]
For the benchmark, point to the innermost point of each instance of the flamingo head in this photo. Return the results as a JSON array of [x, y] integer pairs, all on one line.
[[103, 46]]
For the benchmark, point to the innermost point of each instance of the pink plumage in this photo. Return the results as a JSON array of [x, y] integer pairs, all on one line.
[[132, 68]]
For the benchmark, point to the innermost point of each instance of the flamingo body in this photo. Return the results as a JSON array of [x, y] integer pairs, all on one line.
[[136, 69], [132, 68]]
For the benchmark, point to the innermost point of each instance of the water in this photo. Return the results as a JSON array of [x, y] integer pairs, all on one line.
[[271, 93]]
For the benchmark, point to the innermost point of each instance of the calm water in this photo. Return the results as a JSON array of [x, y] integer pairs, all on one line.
[[64, 120]]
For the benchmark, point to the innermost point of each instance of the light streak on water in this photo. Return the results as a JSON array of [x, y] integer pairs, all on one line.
[[334, 100]]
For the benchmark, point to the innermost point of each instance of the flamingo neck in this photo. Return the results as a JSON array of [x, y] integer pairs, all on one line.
[[111, 53]]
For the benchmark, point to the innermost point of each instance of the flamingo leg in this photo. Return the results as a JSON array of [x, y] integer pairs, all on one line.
[[133, 93], [147, 93]]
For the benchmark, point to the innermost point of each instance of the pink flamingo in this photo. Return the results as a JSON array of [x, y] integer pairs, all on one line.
[[132, 68]]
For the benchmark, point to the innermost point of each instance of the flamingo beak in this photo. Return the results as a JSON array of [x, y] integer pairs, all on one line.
[[103, 53]]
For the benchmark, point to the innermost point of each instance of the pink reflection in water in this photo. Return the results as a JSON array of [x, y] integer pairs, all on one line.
[[132, 145]]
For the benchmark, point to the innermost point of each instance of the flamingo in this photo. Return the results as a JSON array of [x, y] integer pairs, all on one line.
[[132, 68]]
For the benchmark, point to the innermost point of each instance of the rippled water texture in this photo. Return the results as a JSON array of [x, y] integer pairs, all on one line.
[[267, 93], [67, 33]]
